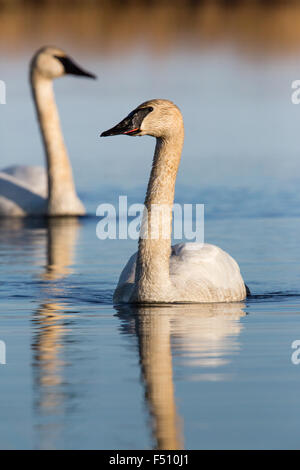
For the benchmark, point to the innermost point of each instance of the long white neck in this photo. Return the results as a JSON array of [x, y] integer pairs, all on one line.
[[62, 199], [152, 272]]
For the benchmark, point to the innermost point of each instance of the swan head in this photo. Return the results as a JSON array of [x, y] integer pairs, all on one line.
[[158, 118], [51, 62]]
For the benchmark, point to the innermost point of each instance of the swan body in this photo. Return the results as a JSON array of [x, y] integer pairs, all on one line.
[[30, 190], [24, 190], [159, 273], [198, 273]]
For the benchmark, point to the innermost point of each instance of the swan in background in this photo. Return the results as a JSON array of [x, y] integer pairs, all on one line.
[[159, 273], [32, 190]]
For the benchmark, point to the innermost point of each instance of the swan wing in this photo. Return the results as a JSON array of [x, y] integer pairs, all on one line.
[[35, 177], [23, 191], [126, 281], [205, 273]]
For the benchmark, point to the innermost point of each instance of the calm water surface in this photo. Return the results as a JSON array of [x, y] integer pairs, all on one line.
[[82, 374]]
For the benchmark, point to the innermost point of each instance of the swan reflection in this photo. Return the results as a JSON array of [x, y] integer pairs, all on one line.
[[19, 233], [204, 336], [51, 322]]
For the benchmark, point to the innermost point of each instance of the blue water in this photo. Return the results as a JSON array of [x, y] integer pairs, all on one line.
[[81, 374]]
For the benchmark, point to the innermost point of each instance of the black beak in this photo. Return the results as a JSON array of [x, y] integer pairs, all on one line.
[[124, 127], [72, 68], [131, 125]]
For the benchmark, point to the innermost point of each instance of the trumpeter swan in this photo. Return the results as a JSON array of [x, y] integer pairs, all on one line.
[[159, 273], [32, 190]]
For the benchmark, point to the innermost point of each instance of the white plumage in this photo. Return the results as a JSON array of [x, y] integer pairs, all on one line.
[[198, 273], [23, 190]]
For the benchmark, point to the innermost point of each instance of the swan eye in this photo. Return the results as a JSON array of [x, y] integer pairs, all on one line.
[[138, 115]]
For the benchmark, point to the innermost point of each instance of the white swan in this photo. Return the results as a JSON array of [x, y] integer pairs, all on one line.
[[24, 190], [159, 273]]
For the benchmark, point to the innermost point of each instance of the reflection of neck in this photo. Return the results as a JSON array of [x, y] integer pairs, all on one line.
[[62, 195], [156, 360], [152, 270], [49, 320], [48, 367], [61, 241]]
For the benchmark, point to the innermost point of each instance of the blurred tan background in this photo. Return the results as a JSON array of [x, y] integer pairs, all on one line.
[[112, 26]]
